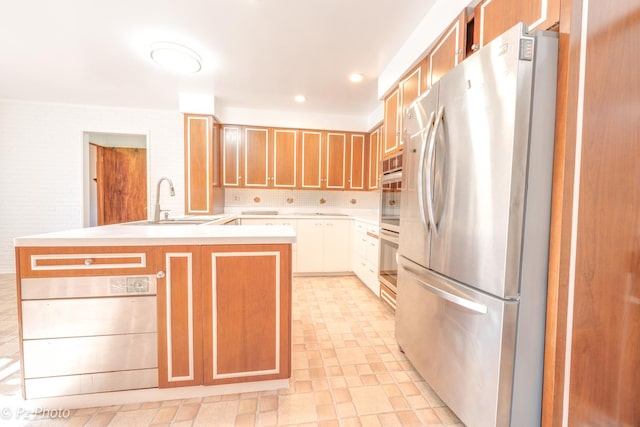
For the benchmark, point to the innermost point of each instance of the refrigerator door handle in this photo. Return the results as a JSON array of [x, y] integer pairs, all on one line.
[[455, 299], [423, 154], [430, 154]]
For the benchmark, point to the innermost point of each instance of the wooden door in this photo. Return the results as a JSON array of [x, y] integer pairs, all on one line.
[[356, 164], [198, 163], [246, 315], [121, 178], [284, 158], [231, 156], [391, 135], [593, 322], [311, 159], [256, 157], [448, 51], [179, 316], [494, 17], [336, 159], [373, 157]]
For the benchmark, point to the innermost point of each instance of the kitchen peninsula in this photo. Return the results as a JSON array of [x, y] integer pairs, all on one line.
[[129, 312]]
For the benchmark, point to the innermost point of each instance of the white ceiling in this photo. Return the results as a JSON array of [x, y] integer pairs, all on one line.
[[257, 54]]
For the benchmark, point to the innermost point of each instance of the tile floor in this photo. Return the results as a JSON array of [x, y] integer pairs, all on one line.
[[347, 371]]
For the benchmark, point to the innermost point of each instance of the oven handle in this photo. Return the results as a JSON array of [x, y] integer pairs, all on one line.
[[392, 177], [389, 236]]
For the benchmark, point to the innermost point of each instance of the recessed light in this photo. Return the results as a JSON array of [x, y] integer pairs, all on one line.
[[356, 77], [300, 98], [175, 57]]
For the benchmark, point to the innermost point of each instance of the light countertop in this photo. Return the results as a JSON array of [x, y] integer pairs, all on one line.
[[210, 231]]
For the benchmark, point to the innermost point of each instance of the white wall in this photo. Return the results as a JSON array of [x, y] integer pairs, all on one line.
[[41, 163]]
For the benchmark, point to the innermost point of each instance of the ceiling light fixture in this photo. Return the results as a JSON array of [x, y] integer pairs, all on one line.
[[300, 98], [356, 77], [176, 57]]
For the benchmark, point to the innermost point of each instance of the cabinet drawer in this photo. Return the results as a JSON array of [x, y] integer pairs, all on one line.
[[82, 261]]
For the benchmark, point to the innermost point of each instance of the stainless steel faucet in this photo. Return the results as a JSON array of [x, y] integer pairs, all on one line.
[[156, 212]]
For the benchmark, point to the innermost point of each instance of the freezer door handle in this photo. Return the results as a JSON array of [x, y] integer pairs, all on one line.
[[455, 299], [431, 152], [423, 154]]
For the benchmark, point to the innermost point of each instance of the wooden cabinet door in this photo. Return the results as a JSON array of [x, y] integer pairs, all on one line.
[[198, 163], [284, 155], [246, 330], [179, 317], [356, 164], [373, 158], [335, 160], [231, 155], [256, 157], [391, 136], [409, 91], [448, 51], [494, 17], [311, 159]]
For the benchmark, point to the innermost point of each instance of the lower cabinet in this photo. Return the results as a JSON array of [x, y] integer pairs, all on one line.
[[325, 245], [224, 314], [365, 254], [276, 221]]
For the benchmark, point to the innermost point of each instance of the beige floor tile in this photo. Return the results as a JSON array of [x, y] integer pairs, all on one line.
[[165, 415], [247, 406], [101, 419], [370, 400], [446, 415], [428, 417], [296, 409], [245, 420], [137, 418], [221, 413]]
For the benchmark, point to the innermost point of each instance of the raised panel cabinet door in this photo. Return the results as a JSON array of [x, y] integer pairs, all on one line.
[[391, 136], [216, 169], [285, 158], [373, 157], [231, 156], [494, 17], [198, 168], [247, 316], [179, 317], [357, 163], [448, 51], [311, 163], [256, 157], [336, 159], [409, 92]]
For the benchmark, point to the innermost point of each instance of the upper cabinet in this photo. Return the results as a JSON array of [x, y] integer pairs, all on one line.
[[391, 140], [494, 17], [256, 157], [283, 171], [335, 164], [201, 163], [311, 159], [373, 158], [448, 51], [231, 137], [356, 163]]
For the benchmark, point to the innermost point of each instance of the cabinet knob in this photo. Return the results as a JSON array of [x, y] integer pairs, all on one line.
[[160, 274], [88, 261], [475, 47]]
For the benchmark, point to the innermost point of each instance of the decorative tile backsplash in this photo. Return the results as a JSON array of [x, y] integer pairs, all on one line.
[[289, 201]]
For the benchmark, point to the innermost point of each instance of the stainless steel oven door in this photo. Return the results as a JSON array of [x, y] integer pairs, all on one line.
[[390, 192], [388, 264]]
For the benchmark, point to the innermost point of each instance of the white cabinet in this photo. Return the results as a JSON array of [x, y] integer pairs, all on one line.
[[365, 254], [324, 245], [276, 221]]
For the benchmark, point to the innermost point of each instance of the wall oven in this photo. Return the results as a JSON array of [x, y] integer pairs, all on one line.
[[391, 186]]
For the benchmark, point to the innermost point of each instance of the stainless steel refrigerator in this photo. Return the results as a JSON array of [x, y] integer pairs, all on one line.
[[474, 230]]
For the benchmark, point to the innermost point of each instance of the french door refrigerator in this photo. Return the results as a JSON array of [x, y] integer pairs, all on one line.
[[474, 230]]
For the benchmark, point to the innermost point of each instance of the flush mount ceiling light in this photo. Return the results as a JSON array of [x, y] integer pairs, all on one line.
[[175, 57], [356, 77], [300, 98]]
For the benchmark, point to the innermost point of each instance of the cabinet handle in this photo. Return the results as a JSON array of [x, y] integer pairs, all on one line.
[[160, 274], [88, 261]]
